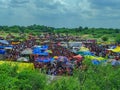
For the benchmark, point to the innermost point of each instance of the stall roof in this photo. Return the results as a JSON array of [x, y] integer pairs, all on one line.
[[4, 42]]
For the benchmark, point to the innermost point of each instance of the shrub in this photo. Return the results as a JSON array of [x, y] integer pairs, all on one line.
[[24, 80], [95, 77], [104, 38]]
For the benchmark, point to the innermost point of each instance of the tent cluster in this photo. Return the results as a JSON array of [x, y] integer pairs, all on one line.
[[85, 51], [56, 65], [55, 58], [3, 49], [4, 45], [96, 60]]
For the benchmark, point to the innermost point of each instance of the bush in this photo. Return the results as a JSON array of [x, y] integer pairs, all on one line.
[[25, 80], [64, 83], [117, 39], [95, 77], [31, 80], [104, 38]]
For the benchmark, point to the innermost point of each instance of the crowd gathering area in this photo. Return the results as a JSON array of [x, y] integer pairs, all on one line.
[[56, 54]]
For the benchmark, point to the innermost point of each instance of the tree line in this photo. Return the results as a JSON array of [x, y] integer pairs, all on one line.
[[42, 28], [104, 33]]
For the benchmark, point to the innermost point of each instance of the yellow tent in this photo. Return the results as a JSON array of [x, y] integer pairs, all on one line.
[[84, 49], [21, 65], [94, 57], [117, 49]]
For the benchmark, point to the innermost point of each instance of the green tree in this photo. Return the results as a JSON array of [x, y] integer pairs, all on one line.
[[104, 38], [117, 39]]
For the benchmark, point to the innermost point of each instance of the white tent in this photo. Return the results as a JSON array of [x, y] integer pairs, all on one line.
[[27, 51], [22, 59], [4, 42]]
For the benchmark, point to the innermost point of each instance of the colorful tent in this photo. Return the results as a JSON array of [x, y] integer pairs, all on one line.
[[2, 47], [46, 60], [85, 53], [84, 49], [97, 62], [55, 57], [40, 50], [94, 58], [2, 51], [8, 47], [62, 59], [77, 57], [117, 49], [49, 51]]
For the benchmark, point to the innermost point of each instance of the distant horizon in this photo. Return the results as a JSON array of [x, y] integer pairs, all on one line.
[[61, 13], [60, 27]]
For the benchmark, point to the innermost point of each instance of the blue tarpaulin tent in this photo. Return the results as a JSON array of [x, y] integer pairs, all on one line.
[[85, 53], [88, 53], [8, 47], [2, 47], [46, 60], [2, 51], [96, 62], [40, 50]]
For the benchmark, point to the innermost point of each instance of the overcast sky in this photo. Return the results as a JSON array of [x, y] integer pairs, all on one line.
[[61, 13]]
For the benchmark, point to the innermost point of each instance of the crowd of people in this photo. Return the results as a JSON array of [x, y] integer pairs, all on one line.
[[55, 67], [15, 53], [102, 50], [59, 67]]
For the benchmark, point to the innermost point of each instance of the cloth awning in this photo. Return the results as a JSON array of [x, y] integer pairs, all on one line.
[[4, 42]]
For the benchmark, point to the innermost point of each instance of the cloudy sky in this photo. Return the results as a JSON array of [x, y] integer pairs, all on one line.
[[61, 13]]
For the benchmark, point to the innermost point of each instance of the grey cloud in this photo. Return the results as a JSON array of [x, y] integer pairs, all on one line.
[[102, 4], [60, 13], [18, 3]]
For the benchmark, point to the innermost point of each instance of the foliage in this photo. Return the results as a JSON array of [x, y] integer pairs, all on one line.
[[25, 80], [104, 38], [64, 83], [94, 77], [79, 31], [117, 39]]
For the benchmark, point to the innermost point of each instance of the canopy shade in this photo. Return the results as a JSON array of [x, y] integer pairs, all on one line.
[[84, 49], [40, 50], [2, 51], [62, 59], [27, 51], [46, 60], [117, 49], [9, 47], [2, 47], [77, 57], [4, 42]]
